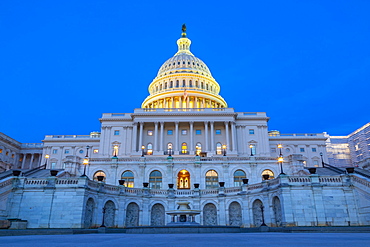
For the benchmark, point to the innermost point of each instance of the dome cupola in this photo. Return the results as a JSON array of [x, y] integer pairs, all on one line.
[[184, 81]]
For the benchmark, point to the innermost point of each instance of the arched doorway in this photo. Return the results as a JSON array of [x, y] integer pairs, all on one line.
[[183, 180], [209, 215], [132, 215], [276, 206], [89, 213], [257, 213], [235, 214], [110, 212], [157, 215]]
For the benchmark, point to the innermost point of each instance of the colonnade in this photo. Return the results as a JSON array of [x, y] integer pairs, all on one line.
[[229, 138], [182, 102]]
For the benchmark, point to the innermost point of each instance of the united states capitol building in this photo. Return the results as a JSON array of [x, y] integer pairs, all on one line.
[[184, 144]]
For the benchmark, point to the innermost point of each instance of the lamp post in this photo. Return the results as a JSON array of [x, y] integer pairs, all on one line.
[[46, 160], [115, 151], [322, 160], [142, 150], [280, 146], [281, 160], [224, 149], [251, 147], [86, 161]]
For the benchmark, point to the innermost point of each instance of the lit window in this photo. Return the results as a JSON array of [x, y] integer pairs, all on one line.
[[184, 132], [155, 180], [198, 148], [218, 148], [211, 179], [128, 176], [1, 151], [252, 148], [55, 151], [315, 163], [218, 132], [238, 178], [96, 151], [66, 151], [169, 132], [301, 150], [313, 149], [268, 172], [6, 153], [150, 132], [116, 132], [12, 155], [149, 150], [98, 174], [251, 131], [184, 148]]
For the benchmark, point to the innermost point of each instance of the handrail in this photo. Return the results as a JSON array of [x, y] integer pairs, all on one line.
[[341, 171], [29, 172]]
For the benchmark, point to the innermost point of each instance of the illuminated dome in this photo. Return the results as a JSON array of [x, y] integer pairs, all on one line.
[[184, 81]]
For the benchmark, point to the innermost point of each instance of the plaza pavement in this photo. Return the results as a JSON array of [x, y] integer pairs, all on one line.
[[192, 240]]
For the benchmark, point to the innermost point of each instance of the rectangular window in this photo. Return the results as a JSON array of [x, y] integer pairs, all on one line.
[[218, 132], [184, 132], [55, 151], [150, 132], [198, 132], [302, 150], [96, 151], [169, 132], [251, 131], [315, 163], [313, 149], [53, 164], [66, 151], [116, 132], [273, 150]]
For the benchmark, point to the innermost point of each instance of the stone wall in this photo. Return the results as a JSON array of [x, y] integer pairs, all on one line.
[[287, 201]]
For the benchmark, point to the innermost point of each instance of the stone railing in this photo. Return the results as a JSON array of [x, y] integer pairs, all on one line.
[[101, 187]]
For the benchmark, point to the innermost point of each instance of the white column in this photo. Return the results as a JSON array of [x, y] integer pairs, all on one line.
[[191, 137], [206, 134], [234, 143], [123, 149], [109, 143], [134, 137], [245, 147], [155, 136], [141, 135], [176, 137], [212, 137], [161, 140], [31, 161], [227, 136], [24, 160]]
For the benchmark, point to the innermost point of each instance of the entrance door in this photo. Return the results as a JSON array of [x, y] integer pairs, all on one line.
[[183, 180]]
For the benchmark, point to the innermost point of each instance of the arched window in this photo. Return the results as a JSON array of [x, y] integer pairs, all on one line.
[[196, 84], [238, 177], [98, 175], [218, 148], [155, 179], [165, 85], [128, 176], [183, 180], [115, 150], [184, 148], [190, 83], [169, 148], [211, 179], [198, 148], [171, 84], [183, 83], [160, 87], [268, 172], [149, 149], [202, 85], [177, 83]]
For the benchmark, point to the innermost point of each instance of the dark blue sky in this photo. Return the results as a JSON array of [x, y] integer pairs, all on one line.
[[64, 63]]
